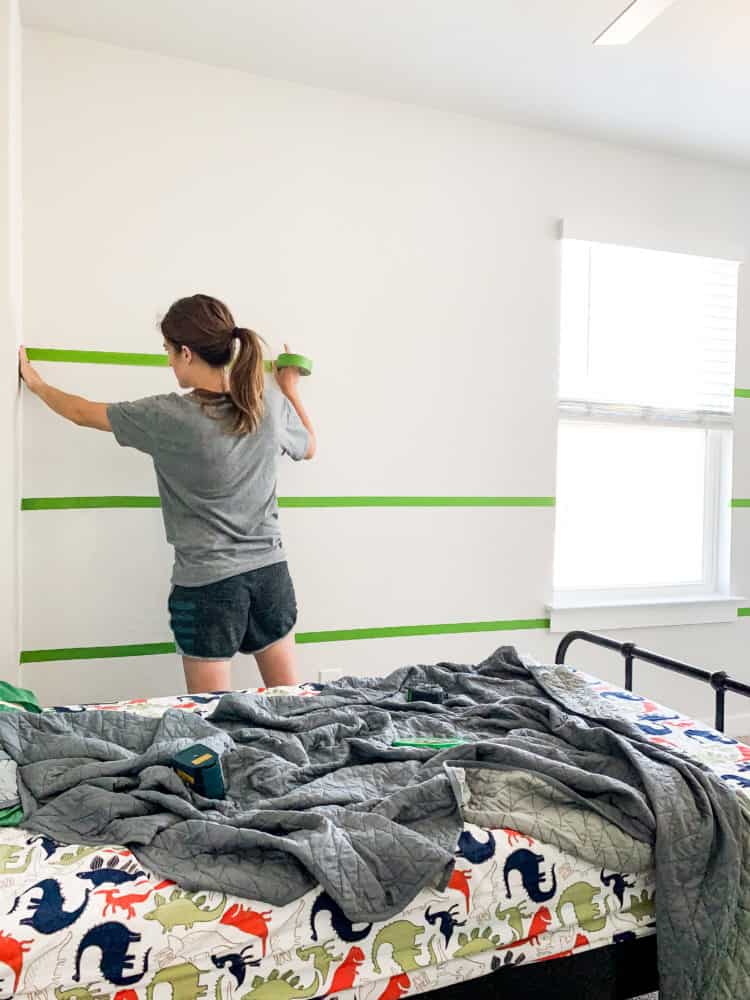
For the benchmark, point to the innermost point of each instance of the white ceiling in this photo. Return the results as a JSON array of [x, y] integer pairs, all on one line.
[[683, 85]]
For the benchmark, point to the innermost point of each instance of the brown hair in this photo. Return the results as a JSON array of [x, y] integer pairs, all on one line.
[[206, 326]]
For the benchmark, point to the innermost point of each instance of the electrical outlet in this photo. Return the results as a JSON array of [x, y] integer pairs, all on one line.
[[329, 676]]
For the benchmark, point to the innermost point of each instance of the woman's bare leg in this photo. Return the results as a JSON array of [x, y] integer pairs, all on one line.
[[207, 675], [278, 663]]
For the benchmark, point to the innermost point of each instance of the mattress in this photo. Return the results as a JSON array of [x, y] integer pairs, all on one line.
[[82, 923]]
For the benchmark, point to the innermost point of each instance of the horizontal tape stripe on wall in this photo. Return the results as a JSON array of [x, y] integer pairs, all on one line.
[[743, 612], [740, 502], [122, 358], [332, 635], [90, 503], [97, 357], [144, 360]]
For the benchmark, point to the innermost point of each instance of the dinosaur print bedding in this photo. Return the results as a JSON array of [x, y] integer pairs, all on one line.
[[85, 923]]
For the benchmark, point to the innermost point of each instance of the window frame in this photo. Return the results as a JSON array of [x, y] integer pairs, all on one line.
[[628, 606]]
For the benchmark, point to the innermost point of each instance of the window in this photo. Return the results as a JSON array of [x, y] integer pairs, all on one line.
[[647, 351]]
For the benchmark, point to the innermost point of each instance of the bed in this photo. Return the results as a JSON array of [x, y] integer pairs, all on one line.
[[85, 923]]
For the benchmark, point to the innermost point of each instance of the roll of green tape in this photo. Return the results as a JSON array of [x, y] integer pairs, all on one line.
[[299, 361]]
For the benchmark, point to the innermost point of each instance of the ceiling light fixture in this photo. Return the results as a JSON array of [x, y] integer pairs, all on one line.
[[636, 16]]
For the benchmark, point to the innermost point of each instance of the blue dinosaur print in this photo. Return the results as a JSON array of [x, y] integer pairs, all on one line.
[[238, 963], [201, 699], [623, 936], [341, 924], [475, 851], [708, 734], [48, 915], [101, 875], [742, 782], [654, 730], [114, 941], [656, 717], [619, 884], [447, 920], [49, 846], [528, 865]]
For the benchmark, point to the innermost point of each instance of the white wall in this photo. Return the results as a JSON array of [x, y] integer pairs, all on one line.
[[412, 253], [10, 329]]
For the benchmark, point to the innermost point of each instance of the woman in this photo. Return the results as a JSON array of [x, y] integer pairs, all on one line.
[[214, 451]]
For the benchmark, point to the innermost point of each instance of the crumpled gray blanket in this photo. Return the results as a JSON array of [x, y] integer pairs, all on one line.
[[317, 794]]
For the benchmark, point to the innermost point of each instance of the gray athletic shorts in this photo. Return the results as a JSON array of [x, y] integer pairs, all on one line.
[[245, 613]]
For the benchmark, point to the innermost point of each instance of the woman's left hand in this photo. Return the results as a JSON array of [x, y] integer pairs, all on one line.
[[287, 378], [28, 373]]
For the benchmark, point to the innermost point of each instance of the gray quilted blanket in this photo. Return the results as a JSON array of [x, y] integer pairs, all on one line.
[[316, 793]]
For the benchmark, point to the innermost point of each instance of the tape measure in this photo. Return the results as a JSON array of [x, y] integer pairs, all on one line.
[[200, 768], [298, 361]]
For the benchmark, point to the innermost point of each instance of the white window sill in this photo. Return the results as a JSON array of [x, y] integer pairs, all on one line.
[[712, 608]]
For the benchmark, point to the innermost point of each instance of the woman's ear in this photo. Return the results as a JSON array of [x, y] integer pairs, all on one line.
[[187, 354]]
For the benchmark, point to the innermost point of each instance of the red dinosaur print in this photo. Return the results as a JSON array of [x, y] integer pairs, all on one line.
[[345, 975], [460, 882], [397, 986], [581, 942], [662, 740], [128, 902], [514, 836], [11, 954], [743, 751], [539, 924], [649, 706], [249, 921]]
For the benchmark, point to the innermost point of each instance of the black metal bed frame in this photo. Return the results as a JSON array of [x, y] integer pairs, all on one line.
[[613, 972], [720, 681]]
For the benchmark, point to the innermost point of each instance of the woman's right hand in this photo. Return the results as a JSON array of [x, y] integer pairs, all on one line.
[[28, 373], [287, 378]]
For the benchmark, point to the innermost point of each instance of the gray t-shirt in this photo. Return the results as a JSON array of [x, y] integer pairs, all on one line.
[[217, 489]]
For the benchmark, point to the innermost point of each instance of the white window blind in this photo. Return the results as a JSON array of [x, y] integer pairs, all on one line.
[[646, 332]]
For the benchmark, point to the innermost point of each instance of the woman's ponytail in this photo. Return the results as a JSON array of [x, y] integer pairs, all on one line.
[[247, 381]]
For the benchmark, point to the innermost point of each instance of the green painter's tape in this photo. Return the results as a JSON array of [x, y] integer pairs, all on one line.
[[742, 393], [740, 502], [397, 631], [96, 652], [97, 357], [144, 360], [743, 612], [86, 503], [90, 503], [333, 635], [416, 501]]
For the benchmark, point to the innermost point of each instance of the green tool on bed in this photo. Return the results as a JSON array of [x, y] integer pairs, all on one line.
[[428, 744]]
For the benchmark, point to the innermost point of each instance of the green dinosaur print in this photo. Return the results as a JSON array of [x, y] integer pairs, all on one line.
[[476, 943], [284, 987], [590, 916], [321, 956], [183, 909], [9, 856], [70, 857], [402, 936], [515, 916], [185, 980], [80, 993], [643, 907]]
